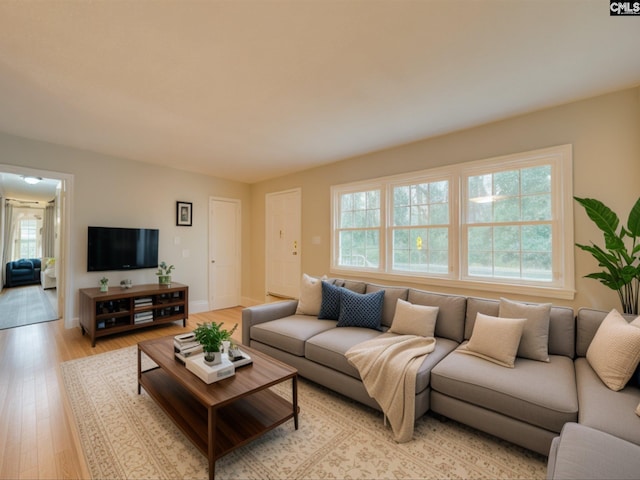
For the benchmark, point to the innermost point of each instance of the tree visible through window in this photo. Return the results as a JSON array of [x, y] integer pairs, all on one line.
[[420, 227], [509, 219], [359, 229]]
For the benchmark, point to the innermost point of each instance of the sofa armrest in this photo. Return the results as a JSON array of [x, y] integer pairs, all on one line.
[[264, 313]]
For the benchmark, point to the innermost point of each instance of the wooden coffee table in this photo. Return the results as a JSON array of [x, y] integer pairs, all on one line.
[[222, 416]]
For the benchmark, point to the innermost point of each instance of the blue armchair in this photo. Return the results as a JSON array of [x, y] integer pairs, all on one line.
[[23, 272]]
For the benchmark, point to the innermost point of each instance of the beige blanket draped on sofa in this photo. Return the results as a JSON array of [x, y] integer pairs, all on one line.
[[388, 366]]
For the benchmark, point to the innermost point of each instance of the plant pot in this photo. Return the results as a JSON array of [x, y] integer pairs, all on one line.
[[164, 279], [104, 288], [212, 358]]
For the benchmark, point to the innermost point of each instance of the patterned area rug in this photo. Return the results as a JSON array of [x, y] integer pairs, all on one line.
[[25, 305], [126, 435]]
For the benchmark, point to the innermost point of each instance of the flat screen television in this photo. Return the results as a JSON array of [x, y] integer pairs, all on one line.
[[111, 248]]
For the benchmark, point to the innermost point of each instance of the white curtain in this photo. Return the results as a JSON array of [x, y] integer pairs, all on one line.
[[49, 231], [7, 240]]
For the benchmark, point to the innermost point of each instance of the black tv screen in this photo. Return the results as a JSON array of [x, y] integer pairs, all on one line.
[[121, 248]]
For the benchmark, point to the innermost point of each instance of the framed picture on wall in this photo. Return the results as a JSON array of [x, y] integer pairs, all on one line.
[[184, 214]]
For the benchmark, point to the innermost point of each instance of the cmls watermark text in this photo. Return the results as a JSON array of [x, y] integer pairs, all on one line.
[[624, 8]]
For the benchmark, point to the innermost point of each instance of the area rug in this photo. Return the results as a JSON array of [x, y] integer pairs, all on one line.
[[25, 305], [126, 435]]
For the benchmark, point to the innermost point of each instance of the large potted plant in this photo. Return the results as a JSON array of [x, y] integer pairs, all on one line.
[[620, 257], [211, 335]]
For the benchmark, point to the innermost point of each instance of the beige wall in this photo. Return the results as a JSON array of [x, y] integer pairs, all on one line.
[[110, 191], [604, 132]]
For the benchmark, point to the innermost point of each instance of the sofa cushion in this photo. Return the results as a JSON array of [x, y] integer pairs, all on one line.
[[538, 393], [582, 453], [360, 309], [391, 296], [290, 333], [495, 339], [23, 264], [310, 295], [353, 285], [614, 352], [330, 305], [535, 336], [451, 313], [605, 409], [411, 319], [328, 349]]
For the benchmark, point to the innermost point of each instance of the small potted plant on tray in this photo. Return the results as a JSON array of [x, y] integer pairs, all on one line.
[[104, 284], [211, 335]]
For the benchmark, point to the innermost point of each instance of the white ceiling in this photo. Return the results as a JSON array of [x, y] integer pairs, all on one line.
[[13, 186], [254, 89]]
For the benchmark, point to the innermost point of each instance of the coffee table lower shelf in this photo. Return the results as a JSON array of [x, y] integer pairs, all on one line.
[[232, 425]]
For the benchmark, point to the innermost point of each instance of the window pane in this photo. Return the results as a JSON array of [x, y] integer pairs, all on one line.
[[507, 264], [439, 239], [507, 210], [439, 214], [536, 180], [359, 248], [480, 212], [506, 183], [401, 216], [537, 266], [419, 215], [480, 187], [481, 264], [401, 196], [507, 238], [536, 207], [536, 238], [439, 192], [480, 239]]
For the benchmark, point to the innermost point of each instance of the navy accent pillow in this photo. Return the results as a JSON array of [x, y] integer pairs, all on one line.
[[360, 310], [330, 306]]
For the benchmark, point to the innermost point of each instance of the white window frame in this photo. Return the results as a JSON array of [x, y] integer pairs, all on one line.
[[562, 283]]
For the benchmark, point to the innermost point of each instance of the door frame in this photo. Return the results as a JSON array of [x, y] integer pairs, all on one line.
[[238, 236], [64, 289]]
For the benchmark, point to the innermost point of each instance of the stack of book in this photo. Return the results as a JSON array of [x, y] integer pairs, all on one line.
[[185, 345], [143, 317], [143, 301]]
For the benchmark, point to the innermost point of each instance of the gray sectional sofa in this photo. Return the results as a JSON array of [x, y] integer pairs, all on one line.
[[527, 405]]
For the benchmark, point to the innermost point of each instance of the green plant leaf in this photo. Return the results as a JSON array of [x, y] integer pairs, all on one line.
[[633, 224], [604, 218]]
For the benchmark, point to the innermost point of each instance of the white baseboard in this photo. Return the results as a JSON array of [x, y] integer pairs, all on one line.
[[198, 306]]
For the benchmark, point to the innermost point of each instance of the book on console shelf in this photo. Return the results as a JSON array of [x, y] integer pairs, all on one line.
[[143, 317], [143, 301]]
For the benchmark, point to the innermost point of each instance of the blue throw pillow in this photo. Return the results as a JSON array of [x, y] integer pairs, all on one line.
[[360, 310], [330, 306]]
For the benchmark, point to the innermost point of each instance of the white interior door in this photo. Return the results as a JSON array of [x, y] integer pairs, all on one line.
[[283, 252], [224, 253]]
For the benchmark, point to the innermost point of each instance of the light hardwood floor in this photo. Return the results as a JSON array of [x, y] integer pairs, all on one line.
[[37, 436]]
